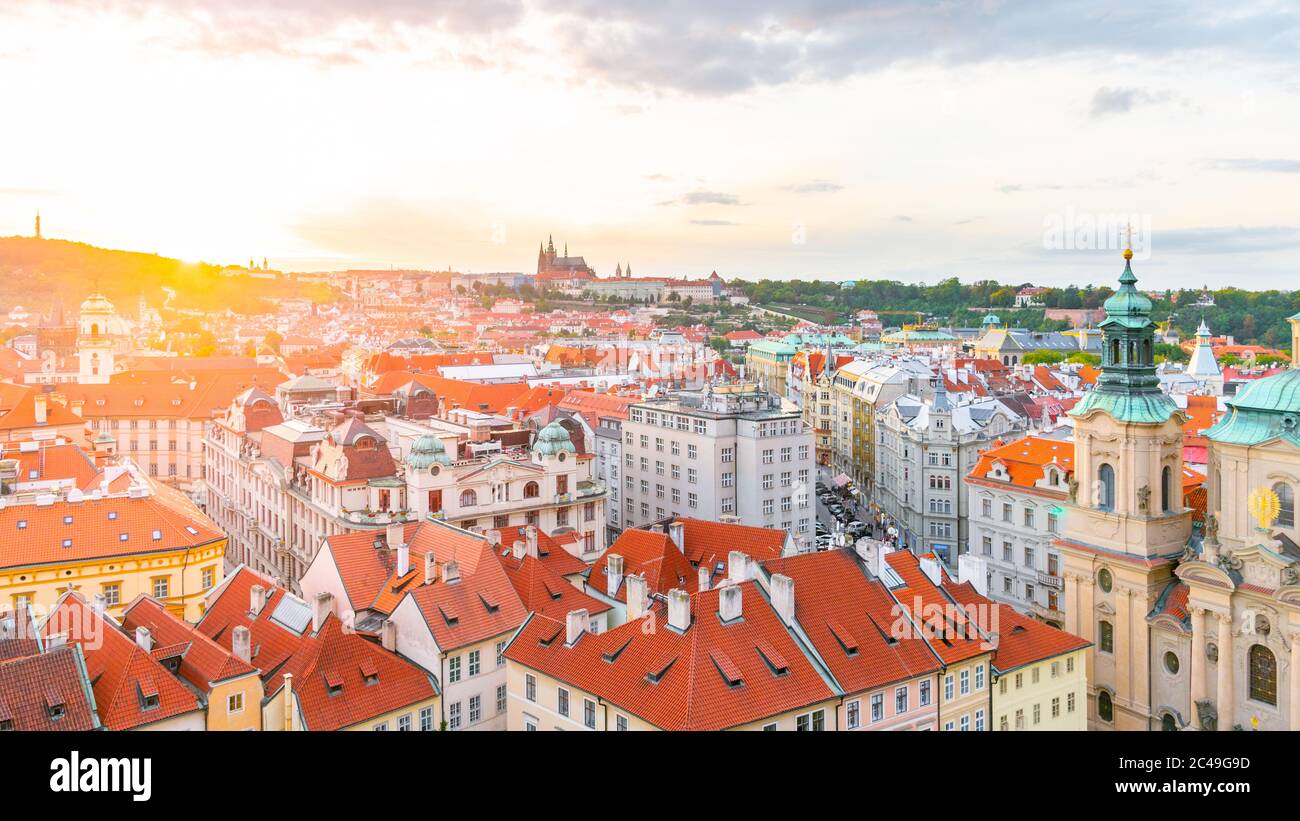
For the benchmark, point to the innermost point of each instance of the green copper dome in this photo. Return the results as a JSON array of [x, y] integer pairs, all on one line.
[[552, 439], [1279, 393], [1128, 306], [991, 319], [1265, 410], [427, 450]]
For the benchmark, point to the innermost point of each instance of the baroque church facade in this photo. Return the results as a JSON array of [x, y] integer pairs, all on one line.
[[1193, 627]]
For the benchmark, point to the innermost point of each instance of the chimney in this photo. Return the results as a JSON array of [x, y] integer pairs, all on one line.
[[729, 602], [288, 702], [704, 576], [530, 533], [100, 603], [783, 598], [256, 599], [430, 568], [679, 610], [677, 532], [241, 644], [39, 408], [451, 572], [738, 566], [519, 550], [143, 639], [973, 569], [930, 567], [395, 535], [613, 574], [575, 624], [320, 608], [637, 601], [388, 635]]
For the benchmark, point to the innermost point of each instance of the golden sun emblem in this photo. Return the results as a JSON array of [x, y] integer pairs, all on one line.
[[1264, 505]]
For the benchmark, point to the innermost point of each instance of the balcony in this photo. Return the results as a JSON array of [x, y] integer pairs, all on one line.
[[1051, 580], [382, 517], [1046, 613]]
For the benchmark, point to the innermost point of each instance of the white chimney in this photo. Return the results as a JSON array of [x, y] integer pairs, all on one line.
[[320, 608], [395, 535], [241, 644], [729, 602], [783, 598], [973, 569], [930, 567], [403, 560], [677, 532], [704, 576], [430, 568], [451, 572], [100, 603], [679, 609], [530, 533], [575, 624], [39, 408], [143, 639], [519, 550], [613, 574], [637, 600], [738, 566], [388, 635], [256, 599], [493, 538]]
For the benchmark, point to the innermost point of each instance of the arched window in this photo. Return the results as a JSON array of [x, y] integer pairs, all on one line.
[[532, 490], [1132, 352], [1286, 506], [1263, 674], [1114, 352], [1105, 637], [1146, 352], [468, 498], [1106, 487], [1166, 488], [1105, 710], [1168, 723]]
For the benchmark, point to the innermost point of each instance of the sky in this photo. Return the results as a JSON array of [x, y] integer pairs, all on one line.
[[818, 139]]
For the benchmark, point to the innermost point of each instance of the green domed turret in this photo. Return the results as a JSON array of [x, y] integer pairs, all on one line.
[[426, 451], [552, 439]]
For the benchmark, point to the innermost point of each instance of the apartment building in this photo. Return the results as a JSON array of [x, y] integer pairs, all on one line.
[[767, 363], [862, 390], [926, 448], [604, 415], [1016, 492], [728, 453]]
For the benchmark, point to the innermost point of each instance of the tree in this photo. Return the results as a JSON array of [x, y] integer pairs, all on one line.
[[273, 340], [1043, 358], [1164, 352], [1084, 358]]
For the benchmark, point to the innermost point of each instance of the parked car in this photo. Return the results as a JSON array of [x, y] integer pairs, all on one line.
[[835, 508]]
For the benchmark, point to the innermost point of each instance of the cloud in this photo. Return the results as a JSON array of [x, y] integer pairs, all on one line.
[[902, 218], [815, 187], [659, 178], [1227, 239], [1273, 166], [713, 222], [729, 47], [704, 198], [1112, 101]]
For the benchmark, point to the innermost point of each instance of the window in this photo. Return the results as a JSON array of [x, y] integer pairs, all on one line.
[[235, 703], [475, 709], [1105, 709], [1166, 486], [965, 682], [113, 594], [501, 698], [877, 706], [426, 719], [1106, 487], [1056, 707], [924, 693], [811, 722], [589, 713], [947, 688], [979, 721], [453, 716], [1069, 702], [900, 700], [207, 578], [532, 490], [501, 651], [530, 687], [620, 723], [453, 669], [1171, 663], [474, 662], [1104, 580], [979, 677], [1262, 669], [1286, 504], [854, 713], [965, 724], [562, 702], [468, 498], [1106, 637], [161, 586]]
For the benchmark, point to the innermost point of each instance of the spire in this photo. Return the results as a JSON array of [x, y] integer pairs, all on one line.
[[38, 223]]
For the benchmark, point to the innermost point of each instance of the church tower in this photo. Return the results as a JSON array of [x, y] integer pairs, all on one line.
[[95, 341], [1125, 524]]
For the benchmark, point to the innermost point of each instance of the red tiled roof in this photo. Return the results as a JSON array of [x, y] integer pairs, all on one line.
[[121, 673], [544, 591], [649, 553], [33, 686], [849, 619], [712, 676], [708, 543], [949, 632], [1021, 640], [203, 662], [1025, 460]]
